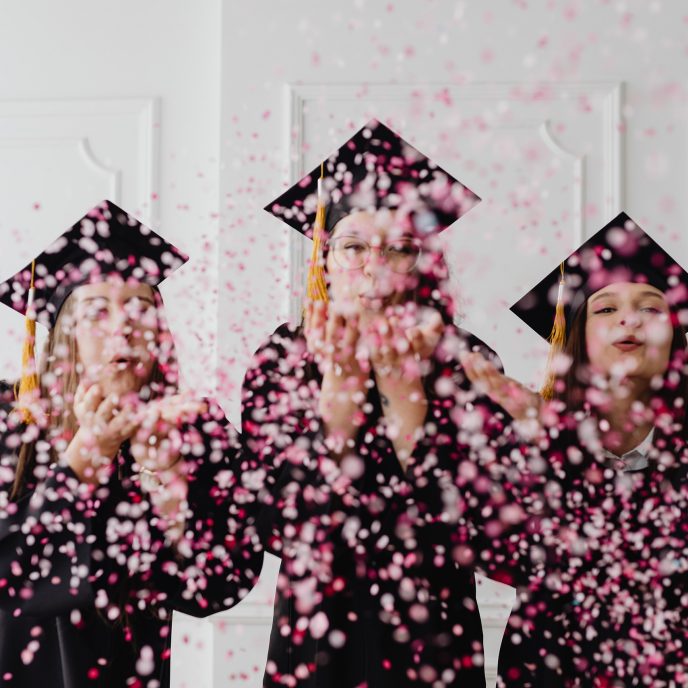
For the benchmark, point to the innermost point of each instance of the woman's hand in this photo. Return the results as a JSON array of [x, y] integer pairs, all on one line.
[[333, 341], [156, 448], [157, 440], [400, 345], [104, 422], [521, 403], [401, 342]]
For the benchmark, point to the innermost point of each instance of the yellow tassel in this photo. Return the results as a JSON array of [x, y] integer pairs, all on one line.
[[26, 389], [557, 341], [316, 288]]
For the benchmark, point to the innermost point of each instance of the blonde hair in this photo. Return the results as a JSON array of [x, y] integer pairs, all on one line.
[[58, 376]]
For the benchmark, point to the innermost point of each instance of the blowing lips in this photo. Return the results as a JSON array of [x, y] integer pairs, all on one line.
[[122, 362], [372, 303], [375, 301], [628, 343]]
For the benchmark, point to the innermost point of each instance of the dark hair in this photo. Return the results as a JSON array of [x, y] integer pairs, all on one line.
[[571, 388]]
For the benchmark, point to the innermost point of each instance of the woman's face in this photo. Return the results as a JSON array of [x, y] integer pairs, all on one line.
[[116, 330], [371, 261], [628, 331]]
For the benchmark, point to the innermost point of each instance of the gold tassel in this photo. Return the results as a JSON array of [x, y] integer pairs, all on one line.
[[316, 289], [557, 341], [26, 388]]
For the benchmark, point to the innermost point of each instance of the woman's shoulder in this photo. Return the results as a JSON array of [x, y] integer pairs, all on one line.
[[10, 427], [6, 392], [285, 337], [6, 400], [284, 349]]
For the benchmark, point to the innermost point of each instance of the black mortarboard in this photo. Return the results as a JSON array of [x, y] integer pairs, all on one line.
[[106, 240], [620, 252], [375, 169]]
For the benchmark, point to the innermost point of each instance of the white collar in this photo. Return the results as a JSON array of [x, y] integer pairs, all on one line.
[[636, 459]]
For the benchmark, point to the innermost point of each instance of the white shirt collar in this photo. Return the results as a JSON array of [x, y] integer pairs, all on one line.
[[636, 459]]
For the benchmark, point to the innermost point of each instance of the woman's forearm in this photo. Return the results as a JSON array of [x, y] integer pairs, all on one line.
[[168, 492], [340, 409], [405, 406]]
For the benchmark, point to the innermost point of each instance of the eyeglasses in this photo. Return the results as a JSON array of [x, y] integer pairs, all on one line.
[[352, 253]]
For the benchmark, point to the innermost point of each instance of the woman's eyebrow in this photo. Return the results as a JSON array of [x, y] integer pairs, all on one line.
[[652, 293], [602, 296], [642, 294], [87, 299], [352, 232], [141, 298]]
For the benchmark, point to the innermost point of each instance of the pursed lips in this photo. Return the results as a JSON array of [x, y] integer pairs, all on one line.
[[630, 343], [374, 298], [124, 361]]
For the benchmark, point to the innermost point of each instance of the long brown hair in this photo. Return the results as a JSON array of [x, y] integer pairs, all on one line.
[[58, 380], [572, 387]]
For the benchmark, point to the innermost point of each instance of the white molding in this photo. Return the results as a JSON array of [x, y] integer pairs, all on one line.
[[609, 93], [578, 164], [144, 112], [293, 154], [114, 176], [84, 152], [494, 90], [614, 178], [149, 157]]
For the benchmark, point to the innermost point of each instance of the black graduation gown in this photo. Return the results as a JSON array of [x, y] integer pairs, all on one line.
[[612, 608], [87, 581], [370, 592]]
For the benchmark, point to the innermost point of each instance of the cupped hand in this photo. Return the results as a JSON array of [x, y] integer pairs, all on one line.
[[516, 399], [332, 339]]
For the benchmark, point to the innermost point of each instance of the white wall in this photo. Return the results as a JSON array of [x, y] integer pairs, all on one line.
[[559, 113]]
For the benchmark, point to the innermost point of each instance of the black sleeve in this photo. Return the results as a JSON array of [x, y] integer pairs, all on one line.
[[499, 476], [65, 544], [45, 547], [491, 490], [505, 511], [45, 534], [218, 560], [452, 490], [283, 440]]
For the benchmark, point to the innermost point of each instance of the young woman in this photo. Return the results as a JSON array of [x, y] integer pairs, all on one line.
[[114, 485], [353, 417], [610, 496]]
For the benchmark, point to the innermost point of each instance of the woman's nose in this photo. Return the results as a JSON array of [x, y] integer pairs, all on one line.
[[630, 318], [375, 261], [121, 325]]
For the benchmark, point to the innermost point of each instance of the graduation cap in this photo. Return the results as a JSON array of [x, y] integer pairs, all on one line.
[[374, 169], [106, 240], [619, 252]]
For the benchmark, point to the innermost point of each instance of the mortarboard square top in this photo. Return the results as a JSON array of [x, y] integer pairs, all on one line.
[[376, 169], [106, 240], [620, 252]]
